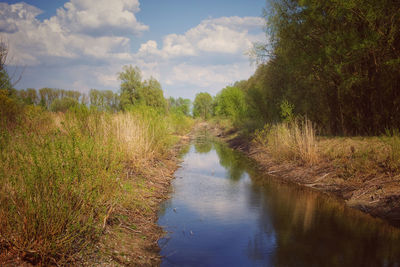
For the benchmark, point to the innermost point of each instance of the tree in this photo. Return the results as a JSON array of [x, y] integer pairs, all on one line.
[[337, 62], [131, 83], [202, 106], [134, 91], [151, 94], [180, 105], [63, 104], [231, 103]]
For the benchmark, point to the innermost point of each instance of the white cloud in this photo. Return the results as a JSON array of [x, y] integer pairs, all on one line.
[[100, 17], [211, 78], [11, 14], [84, 28], [206, 57], [87, 42], [226, 35]]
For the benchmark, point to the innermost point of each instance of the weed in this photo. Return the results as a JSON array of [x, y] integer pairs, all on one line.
[[62, 174]]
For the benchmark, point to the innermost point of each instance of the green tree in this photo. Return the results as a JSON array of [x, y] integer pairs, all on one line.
[[231, 103], [131, 83], [336, 61], [180, 105], [202, 105], [151, 94], [63, 104]]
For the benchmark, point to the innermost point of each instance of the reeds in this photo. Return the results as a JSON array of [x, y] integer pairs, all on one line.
[[293, 140], [61, 174]]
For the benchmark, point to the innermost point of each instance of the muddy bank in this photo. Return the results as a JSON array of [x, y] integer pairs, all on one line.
[[377, 194], [131, 234]]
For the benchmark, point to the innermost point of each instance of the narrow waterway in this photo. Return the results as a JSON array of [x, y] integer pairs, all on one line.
[[224, 213]]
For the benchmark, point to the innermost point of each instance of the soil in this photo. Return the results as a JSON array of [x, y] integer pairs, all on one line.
[[377, 194], [132, 241]]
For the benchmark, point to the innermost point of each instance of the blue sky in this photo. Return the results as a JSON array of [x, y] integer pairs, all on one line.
[[189, 46]]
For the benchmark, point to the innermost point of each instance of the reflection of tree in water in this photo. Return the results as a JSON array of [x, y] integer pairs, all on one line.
[[234, 162], [203, 146], [184, 150], [313, 230]]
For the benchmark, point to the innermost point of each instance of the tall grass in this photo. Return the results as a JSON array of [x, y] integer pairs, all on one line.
[[392, 140], [294, 140], [60, 174]]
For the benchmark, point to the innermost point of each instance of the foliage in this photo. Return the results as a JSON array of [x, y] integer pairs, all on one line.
[[134, 91], [287, 111], [104, 100], [131, 82], [180, 123], [63, 173], [230, 103], [28, 96], [202, 106], [48, 95], [180, 105], [151, 94], [10, 109], [336, 62], [63, 104]]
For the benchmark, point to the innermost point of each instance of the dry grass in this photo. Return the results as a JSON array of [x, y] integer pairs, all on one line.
[[296, 141], [63, 174], [290, 141], [362, 155]]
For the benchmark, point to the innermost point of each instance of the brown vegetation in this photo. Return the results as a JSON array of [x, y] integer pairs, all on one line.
[[364, 171]]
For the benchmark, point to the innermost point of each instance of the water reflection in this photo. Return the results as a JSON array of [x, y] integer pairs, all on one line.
[[224, 213]]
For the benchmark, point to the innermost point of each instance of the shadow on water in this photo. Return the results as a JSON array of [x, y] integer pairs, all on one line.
[[223, 212]]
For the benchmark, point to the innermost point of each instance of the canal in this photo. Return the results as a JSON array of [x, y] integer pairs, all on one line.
[[224, 212]]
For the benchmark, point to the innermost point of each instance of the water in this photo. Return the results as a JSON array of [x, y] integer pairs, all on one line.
[[224, 213]]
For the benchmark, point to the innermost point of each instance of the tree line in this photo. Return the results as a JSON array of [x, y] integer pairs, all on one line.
[[133, 92], [336, 62]]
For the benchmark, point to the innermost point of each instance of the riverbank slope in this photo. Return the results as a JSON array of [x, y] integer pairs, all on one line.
[[82, 188], [352, 169]]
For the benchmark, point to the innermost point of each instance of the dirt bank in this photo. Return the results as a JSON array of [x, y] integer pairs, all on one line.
[[376, 193], [132, 234]]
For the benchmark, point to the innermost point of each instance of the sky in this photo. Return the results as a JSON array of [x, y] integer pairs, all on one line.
[[189, 46]]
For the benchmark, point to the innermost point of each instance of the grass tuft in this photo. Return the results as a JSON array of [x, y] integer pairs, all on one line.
[[293, 140]]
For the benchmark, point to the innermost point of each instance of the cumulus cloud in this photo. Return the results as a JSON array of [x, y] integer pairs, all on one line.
[[86, 43], [207, 57], [11, 14], [99, 17], [226, 35], [85, 28]]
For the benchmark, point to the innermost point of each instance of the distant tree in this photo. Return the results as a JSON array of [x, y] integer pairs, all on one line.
[[151, 94], [180, 104], [131, 83], [28, 96], [104, 99], [202, 105], [96, 99], [84, 99], [134, 91], [231, 103], [63, 104]]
